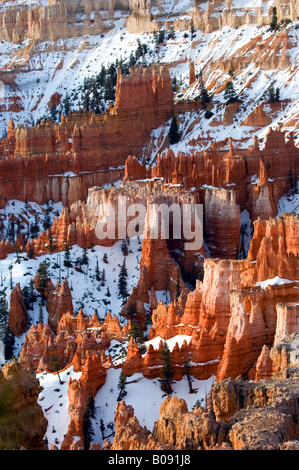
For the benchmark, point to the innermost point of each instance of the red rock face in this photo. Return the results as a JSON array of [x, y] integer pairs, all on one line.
[[235, 169], [59, 302], [18, 321], [84, 142]]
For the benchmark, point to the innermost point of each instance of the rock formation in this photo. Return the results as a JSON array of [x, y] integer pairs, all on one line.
[[98, 142], [22, 423], [18, 321], [239, 416]]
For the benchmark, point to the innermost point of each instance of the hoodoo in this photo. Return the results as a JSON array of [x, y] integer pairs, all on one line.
[[149, 227]]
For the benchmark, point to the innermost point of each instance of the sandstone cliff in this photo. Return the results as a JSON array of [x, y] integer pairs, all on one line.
[[22, 423]]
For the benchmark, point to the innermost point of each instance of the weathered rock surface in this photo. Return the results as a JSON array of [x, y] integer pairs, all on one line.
[[22, 423], [18, 321], [144, 101]]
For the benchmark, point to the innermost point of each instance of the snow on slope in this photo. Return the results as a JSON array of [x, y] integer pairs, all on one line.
[[62, 67], [289, 203], [55, 404], [87, 292], [143, 394], [25, 216]]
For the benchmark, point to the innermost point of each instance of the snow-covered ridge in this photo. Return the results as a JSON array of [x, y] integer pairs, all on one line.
[[61, 68]]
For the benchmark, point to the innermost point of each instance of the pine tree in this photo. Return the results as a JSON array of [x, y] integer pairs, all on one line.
[[124, 248], [272, 94], [56, 366], [32, 295], [178, 289], [89, 415], [5, 332], [8, 341], [205, 98], [10, 275], [136, 333], [230, 94], [67, 104], [189, 376], [243, 232], [231, 70], [25, 292], [40, 314], [67, 257], [174, 135], [43, 276], [12, 231], [53, 113], [123, 282], [192, 30], [274, 21], [97, 271], [167, 366], [121, 386], [50, 247], [103, 278], [84, 256]]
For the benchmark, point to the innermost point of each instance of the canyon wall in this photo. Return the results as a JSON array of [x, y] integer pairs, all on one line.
[[62, 161]]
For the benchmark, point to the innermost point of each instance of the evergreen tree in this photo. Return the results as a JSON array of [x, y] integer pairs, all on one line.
[[97, 271], [292, 181], [274, 22], [5, 332], [192, 30], [67, 257], [272, 94], [178, 289], [102, 428], [26, 205], [50, 238], [231, 70], [12, 231], [123, 282], [174, 135], [103, 278], [230, 93], [66, 105], [84, 256], [8, 341], [243, 232], [10, 275], [40, 314], [43, 273], [121, 386], [167, 373], [47, 221], [189, 376], [124, 248], [53, 113], [171, 34], [32, 295], [34, 228], [56, 366], [205, 98], [89, 415], [136, 333], [197, 405]]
